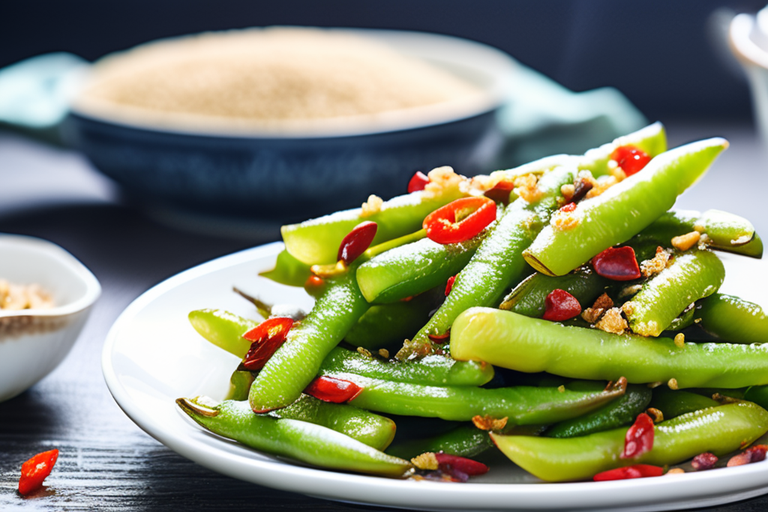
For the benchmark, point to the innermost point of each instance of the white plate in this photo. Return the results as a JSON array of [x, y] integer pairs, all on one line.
[[153, 356]]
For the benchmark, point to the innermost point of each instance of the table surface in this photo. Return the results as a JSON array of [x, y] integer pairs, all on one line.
[[106, 462]]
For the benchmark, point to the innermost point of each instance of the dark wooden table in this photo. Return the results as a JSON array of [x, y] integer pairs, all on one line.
[[106, 462]]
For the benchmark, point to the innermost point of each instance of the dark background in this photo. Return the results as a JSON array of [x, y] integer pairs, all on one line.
[[662, 54]]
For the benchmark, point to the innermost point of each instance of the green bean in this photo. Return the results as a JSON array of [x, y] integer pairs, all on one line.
[[757, 394], [464, 441], [517, 342], [223, 329], [239, 385], [652, 140], [317, 241], [718, 430], [623, 210], [733, 319], [288, 270], [617, 413], [299, 440], [689, 277], [528, 297], [433, 369], [676, 403], [498, 262], [521, 405], [297, 361]]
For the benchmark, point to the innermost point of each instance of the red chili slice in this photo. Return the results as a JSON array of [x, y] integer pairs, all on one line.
[[500, 192], [333, 390], [449, 285], [267, 337], [460, 220], [639, 439], [418, 182], [636, 471], [467, 466], [560, 306], [631, 159], [439, 338], [617, 263], [35, 470], [357, 241], [568, 207], [753, 454]]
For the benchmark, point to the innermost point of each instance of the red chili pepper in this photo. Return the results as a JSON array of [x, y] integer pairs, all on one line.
[[617, 263], [639, 439], [704, 461], [630, 158], [500, 192], [331, 389], [560, 306], [449, 285], [35, 470], [636, 471], [460, 220], [267, 337], [418, 182], [467, 466], [357, 241], [439, 338], [568, 207]]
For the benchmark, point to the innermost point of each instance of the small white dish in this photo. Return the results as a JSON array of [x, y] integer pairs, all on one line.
[[748, 38], [34, 341], [153, 356]]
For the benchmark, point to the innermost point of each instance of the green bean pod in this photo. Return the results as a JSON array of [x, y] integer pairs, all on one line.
[[299, 440], [294, 365], [523, 405], [528, 297], [464, 441], [288, 270], [673, 403], [430, 370], [387, 325], [239, 385], [652, 140], [733, 319], [412, 269], [531, 345], [316, 241], [617, 413], [223, 329], [623, 210], [689, 277], [757, 394], [498, 262], [718, 430]]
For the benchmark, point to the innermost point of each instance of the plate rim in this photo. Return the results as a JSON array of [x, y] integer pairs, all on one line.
[[708, 488]]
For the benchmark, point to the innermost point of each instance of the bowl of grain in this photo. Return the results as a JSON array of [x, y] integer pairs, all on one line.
[[286, 123], [46, 295]]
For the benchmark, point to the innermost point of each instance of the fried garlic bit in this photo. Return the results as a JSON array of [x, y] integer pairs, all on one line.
[[655, 265], [592, 314], [372, 206], [526, 187], [443, 179], [679, 340], [489, 423], [612, 322], [426, 461], [686, 241]]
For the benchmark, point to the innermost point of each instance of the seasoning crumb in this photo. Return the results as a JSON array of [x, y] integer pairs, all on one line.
[[372, 206], [592, 314], [426, 461], [384, 353], [526, 187], [686, 241], [601, 185], [364, 352], [654, 385], [489, 423], [655, 265], [672, 383], [679, 340], [567, 191], [612, 322], [443, 179], [656, 415], [676, 471], [561, 388]]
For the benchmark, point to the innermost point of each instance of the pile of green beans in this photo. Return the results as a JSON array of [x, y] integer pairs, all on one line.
[[479, 369]]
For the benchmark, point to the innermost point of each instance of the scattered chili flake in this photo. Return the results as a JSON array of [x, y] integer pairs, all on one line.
[[559, 305], [704, 461], [418, 182], [459, 469], [617, 264], [568, 207], [449, 285], [460, 220], [439, 338], [333, 390], [625, 473], [35, 470], [357, 241], [631, 159], [639, 438], [267, 337]]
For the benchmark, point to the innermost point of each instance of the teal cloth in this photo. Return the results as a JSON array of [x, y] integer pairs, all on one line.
[[541, 116]]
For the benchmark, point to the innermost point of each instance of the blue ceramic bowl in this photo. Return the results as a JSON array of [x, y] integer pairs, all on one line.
[[291, 176]]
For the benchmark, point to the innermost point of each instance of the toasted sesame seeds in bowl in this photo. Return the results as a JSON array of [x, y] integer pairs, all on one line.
[[46, 295]]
